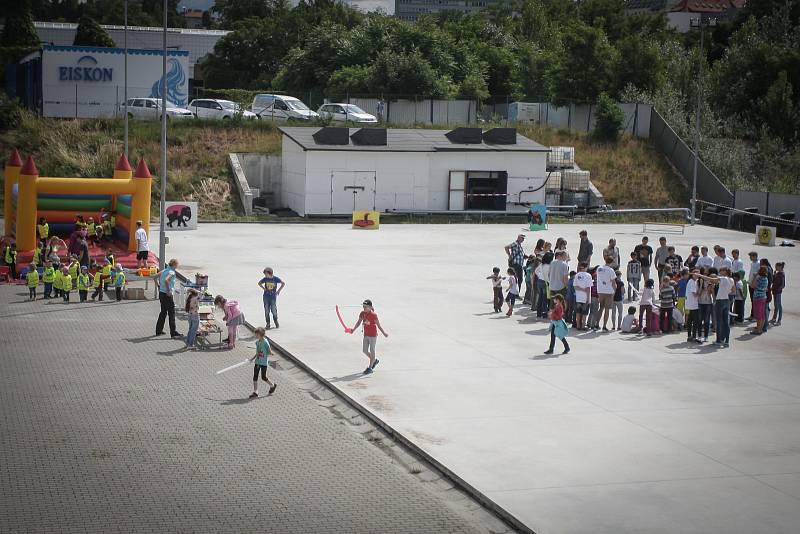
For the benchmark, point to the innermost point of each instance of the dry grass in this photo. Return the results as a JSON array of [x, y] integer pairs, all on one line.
[[630, 173]]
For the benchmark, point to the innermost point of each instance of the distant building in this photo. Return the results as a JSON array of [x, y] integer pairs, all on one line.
[[411, 10], [193, 18], [680, 12], [199, 43]]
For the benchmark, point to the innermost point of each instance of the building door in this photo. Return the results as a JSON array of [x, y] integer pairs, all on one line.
[[353, 191], [457, 190], [486, 190]]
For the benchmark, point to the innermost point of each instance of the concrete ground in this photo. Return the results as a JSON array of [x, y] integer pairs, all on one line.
[[107, 429], [625, 434]]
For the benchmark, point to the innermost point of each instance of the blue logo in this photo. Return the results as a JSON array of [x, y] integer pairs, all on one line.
[[176, 78], [86, 70]]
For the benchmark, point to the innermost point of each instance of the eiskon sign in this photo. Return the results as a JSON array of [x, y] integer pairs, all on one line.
[[86, 70]]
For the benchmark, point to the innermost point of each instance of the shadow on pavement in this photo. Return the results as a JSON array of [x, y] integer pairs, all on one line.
[[348, 378]]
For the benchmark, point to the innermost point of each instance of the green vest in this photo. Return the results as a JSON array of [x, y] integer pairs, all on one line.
[[11, 255], [83, 282], [48, 275]]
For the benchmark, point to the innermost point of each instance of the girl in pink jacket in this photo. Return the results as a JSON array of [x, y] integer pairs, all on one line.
[[233, 317]]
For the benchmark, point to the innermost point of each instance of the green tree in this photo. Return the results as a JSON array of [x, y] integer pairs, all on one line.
[[638, 64], [18, 30], [586, 67], [89, 33], [608, 120]]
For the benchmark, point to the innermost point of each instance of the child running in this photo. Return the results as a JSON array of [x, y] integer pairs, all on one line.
[[558, 327], [33, 280], [497, 289], [371, 326], [261, 358]]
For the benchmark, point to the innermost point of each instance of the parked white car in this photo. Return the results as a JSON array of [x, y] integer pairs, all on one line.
[[150, 108], [208, 108], [345, 112], [281, 108]]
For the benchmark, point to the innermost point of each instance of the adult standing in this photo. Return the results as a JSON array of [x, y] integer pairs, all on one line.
[[645, 254], [704, 261], [166, 284], [83, 258], [721, 259], [559, 275], [583, 286], [611, 251], [516, 256], [142, 248], [722, 306], [661, 256], [586, 248], [606, 284]]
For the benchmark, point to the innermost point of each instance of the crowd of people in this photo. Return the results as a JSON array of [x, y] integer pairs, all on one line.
[[699, 294]]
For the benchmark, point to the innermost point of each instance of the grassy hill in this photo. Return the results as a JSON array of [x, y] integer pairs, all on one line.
[[630, 173]]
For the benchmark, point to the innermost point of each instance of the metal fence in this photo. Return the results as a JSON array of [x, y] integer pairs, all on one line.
[[709, 187]]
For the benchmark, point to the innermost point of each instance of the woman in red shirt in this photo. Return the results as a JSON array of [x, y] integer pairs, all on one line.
[[558, 327]]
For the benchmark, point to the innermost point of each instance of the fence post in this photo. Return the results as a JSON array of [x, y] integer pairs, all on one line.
[[569, 116], [636, 121], [507, 110], [76, 100], [431, 100], [589, 120]]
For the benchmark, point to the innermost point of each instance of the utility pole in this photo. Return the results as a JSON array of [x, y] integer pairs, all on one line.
[[699, 23], [125, 78], [162, 245]]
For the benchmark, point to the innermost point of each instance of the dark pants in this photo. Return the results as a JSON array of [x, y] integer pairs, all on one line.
[[498, 298], [665, 320], [738, 307], [48, 288], [167, 308], [256, 369], [66, 295], [721, 310], [541, 298], [518, 273], [553, 339], [118, 291], [271, 306], [705, 318], [693, 323], [644, 314], [12, 269], [32, 292], [83, 294], [98, 292], [570, 314]]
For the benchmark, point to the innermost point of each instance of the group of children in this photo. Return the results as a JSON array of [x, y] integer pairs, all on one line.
[[59, 280], [699, 294]]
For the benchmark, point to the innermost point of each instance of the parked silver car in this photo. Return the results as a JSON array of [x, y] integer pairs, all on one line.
[[345, 113], [211, 108], [281, 108], [150, 108]]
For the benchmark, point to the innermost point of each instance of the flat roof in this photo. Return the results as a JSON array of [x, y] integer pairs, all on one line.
[[409, 140]]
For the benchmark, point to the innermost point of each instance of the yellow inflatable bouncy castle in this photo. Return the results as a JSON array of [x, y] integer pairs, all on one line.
[[29, 196]]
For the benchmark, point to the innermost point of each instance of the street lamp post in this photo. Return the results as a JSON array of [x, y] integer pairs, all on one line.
[[701, 24], [162, 245]]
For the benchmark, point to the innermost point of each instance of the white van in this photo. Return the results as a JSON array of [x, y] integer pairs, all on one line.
[[281, 108]]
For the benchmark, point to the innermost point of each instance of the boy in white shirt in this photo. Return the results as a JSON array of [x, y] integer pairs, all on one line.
[[583, 286]]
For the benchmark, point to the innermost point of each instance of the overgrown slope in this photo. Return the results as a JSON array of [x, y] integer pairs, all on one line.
[[629, 174]]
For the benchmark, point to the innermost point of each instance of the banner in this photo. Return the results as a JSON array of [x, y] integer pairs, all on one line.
[[765, 235], [537, 217], [366, 220], [180, 215]]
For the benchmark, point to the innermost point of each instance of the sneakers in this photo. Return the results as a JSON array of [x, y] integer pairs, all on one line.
[[273, 388], [368, 371], [548, 351], [253, 395], [375, 363], [176, 335], [566, 351]]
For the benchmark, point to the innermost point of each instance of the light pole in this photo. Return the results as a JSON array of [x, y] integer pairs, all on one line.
[[701, 24], [162, 245], [125, 78]]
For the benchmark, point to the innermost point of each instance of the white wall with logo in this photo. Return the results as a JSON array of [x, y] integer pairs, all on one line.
[[79, 81]]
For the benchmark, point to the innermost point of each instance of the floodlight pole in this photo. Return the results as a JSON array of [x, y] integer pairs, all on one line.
[[701, 25], [162, 245]]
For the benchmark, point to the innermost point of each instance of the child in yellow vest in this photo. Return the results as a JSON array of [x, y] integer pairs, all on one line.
[[38, 255], [48, 276], [106, 273], [106, 229], [83, 283], [74, 269], [97, 284], [90, 228], [33, 280], [66, 283]]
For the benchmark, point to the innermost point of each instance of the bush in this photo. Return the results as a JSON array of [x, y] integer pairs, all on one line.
[[10, 112], [609, 120]]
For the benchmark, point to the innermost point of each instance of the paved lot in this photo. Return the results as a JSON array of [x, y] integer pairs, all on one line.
[[625, 434], [105, 429]]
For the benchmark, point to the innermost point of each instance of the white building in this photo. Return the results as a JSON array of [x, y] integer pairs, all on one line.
[[338, 170], [84, 81]]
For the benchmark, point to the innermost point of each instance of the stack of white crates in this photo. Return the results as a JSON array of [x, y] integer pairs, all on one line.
[[552, 189], [575, 188], [561, 157]]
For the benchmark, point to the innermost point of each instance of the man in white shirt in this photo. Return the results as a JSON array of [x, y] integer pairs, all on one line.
[[613, 252], [559, 275], [704, 260], [583, 288], [721, 259], [722, 306], [142, 247], [660, 256], [692, 307], [606, 283]]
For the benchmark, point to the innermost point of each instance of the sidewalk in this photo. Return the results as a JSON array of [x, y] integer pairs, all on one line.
[[108, 429]]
